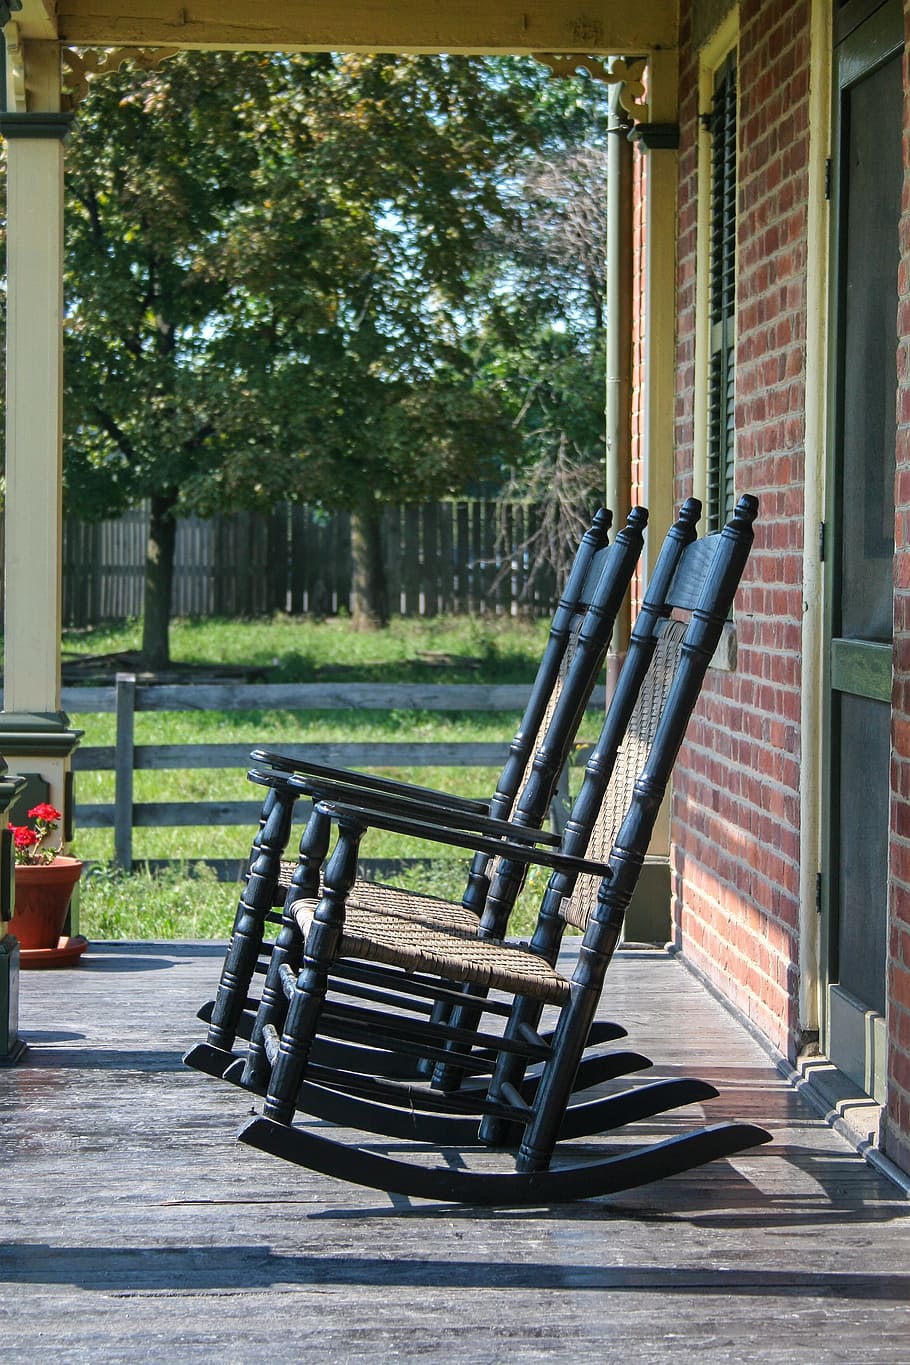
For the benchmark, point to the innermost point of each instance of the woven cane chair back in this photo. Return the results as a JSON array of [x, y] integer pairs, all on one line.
[[627, 754], [551, 674], [577, 908], [552, 706]]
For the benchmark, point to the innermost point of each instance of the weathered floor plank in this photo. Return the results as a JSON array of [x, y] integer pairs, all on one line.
[[135, 1228]]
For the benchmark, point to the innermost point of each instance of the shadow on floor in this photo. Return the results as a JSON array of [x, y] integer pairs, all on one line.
[[188, 1268]]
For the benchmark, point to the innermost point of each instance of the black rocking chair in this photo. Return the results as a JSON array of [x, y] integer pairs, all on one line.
[[361, 979], [403, 1058], [531, 1112], [577, 643]]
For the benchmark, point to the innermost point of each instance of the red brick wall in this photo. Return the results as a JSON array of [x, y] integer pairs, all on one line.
[[896, 1137], [735, 818]]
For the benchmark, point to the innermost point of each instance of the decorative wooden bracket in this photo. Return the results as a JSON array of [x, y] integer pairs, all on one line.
[[15, 71], [626, 72], [83, 65]]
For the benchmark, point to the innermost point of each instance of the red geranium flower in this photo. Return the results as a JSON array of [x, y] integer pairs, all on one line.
[[45, 812], [24, 836], [28, 843]]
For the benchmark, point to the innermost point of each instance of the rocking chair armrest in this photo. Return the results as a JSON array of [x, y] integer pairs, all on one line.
[[285, 763], [457, 836], [419, 811]]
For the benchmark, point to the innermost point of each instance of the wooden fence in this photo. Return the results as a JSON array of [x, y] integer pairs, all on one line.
[[465, 556], [125, 757]]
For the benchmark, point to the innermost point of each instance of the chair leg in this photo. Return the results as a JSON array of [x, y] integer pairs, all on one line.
[[288, 949], [321, 949], [246, 941], [474, 899], [574, 1025], [504, 891], [510, 1068], [552, 1098], [289, 1067]]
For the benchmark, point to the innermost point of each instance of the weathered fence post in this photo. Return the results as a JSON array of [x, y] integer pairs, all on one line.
[[123, 770]]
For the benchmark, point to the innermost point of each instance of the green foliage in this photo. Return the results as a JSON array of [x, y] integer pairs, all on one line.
[[310, 277], [268, 262], [541, 340]]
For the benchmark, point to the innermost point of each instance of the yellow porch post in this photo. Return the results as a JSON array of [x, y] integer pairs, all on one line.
[[35, 736], [649, 917], [660, 137]]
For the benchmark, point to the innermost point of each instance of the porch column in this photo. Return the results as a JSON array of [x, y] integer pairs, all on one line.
[[35, 736], [660, 137], [649, 917]]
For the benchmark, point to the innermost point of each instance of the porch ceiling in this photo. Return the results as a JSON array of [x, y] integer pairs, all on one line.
[[519, 26]]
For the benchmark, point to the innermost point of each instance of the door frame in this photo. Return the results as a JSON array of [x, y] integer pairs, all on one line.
[[853, 1036]]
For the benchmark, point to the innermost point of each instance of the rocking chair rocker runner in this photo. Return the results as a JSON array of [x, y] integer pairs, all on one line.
[[576, 647], [539, 1112]]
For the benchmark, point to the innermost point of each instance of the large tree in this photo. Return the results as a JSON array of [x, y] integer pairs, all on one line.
[[541, 341], [268, 261]]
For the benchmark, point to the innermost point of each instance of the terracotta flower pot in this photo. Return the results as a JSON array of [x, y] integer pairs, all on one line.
[[42, 899]]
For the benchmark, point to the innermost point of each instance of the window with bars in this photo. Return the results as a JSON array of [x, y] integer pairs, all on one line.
[[722, 297]]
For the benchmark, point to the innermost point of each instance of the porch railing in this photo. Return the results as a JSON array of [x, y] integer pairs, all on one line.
[[126, 757]]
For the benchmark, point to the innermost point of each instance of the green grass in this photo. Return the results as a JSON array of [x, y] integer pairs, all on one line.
[[191, 903], [172, 905], [453, 649]]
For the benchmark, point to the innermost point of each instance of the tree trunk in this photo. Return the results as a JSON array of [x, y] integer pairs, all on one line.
[[159, 578], [369, 603]]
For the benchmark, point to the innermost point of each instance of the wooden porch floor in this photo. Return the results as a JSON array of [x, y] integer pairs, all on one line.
[[134, 1227]]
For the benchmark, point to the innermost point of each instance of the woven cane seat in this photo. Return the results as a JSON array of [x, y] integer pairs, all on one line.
[[395, 900], [426, 943]]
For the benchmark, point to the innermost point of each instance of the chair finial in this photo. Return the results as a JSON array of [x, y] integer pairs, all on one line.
[[746, 508], [690, 511]]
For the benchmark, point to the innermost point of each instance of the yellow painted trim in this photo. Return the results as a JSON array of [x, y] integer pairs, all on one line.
[[53, 771], [520, 26], [659, 358], [42, 77], [37, 20], [661, 237], [660, 343], [724, 40], [34, 424], [811, 1004]]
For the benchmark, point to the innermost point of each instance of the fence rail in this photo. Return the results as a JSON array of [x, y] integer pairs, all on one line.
[[126, 757], [465, 556]]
